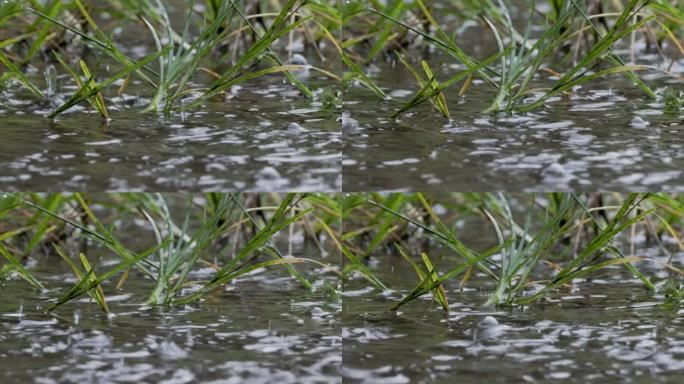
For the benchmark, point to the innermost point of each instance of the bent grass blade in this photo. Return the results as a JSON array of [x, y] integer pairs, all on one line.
[[16, 265], [88, 90]]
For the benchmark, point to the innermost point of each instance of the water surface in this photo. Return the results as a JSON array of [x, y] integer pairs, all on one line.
[[260, 135], [264, 138], [259, 330], [608, 330], [605, 136]]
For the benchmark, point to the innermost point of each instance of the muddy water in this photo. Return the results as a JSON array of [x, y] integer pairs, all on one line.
[[261, 329], [607, 135], [607, 330]]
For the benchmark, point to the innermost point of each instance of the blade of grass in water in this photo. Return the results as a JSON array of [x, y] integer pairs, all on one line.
[[51, 203], [178, 263], [53, 9], [241, 79], [96, 101], [448, 45], [446, 237], [356, 264], [625, 16], [88, 90], [107, 46], [16, 265], [430, 90], [97, 293], [20, 76], [438, 293], [429, 283], [625, 209], [574, 76], [89, 281], [384, 30], [260, 239], [103, 236], [386, 222], [579, 266], [583, 79], [180, 64], [272, 56], [356, 71], [438, 101], [287, 204], [259, 48]]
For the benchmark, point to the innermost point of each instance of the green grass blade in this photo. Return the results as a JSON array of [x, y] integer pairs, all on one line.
[[449, 240], [87, 283], [429, 90], [428, 284], [356, 264], [88, 91], [25, 274], [20, 76]]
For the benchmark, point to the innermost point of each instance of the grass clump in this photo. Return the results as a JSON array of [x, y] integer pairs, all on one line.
[[539, 244], [214, 46], [231, 234], [204, 48], [577, 42]]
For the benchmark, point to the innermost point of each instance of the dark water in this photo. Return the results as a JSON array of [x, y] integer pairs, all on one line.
[[263, 328]]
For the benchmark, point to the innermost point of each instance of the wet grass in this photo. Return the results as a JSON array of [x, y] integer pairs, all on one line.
[[575, 42], [215, 46], [538, 246], [232, 235], [546, 49], [533, 246]]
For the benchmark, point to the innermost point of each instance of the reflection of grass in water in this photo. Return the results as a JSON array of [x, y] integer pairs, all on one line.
[[241, 34], [562, 237], [230, 233], [577, 44]]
